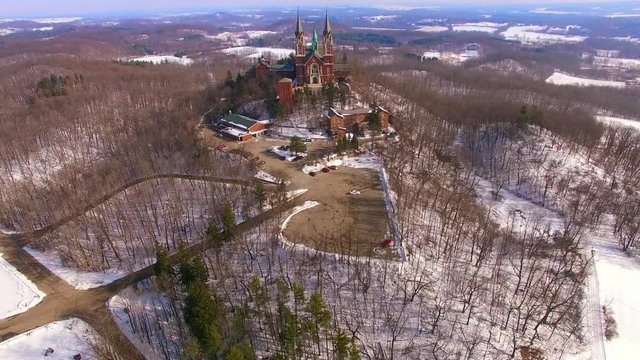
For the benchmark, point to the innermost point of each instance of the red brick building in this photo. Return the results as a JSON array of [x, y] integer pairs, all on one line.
[[311, 66], [341, 122]]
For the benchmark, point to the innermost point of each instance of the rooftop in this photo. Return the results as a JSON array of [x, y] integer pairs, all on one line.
[[240, 121]]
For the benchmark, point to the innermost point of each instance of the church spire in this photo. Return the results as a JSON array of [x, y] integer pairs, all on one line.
[[327, 25], [314, 41], [299, 25]]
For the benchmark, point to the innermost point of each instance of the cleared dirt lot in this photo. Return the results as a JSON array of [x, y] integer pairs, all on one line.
[[342, 223]]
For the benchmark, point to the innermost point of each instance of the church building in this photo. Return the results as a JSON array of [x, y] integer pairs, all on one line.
[[314, 65]]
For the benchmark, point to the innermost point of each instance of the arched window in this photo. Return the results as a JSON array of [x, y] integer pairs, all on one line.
[[315, 74]]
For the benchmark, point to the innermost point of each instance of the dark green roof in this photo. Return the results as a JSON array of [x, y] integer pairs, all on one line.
[[240, 121]]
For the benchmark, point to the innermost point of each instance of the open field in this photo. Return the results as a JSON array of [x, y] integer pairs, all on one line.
[[343, 223]]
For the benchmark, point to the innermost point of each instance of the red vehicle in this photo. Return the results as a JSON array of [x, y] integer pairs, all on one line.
[[325, 170]]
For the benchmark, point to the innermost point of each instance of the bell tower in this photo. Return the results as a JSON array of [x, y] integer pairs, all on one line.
[[328, 50], [300, 51], [328, 38]]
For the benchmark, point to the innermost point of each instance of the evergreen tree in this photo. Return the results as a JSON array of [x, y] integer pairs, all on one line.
[[320, 316], [194, 271], [296, 145], [228, 223], [355, 145], [162, 266], [215, 237], [260, 194]]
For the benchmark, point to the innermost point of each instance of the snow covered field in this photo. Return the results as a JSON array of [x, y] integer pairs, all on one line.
[[618, 275], [486, 27], [433, 28], [67, 338], [632, 64], [19, 292], [535, 35], [8, 31], [616, 121], [157, 59], [563, 79], [240, 38], [59, 20], [252, 52]]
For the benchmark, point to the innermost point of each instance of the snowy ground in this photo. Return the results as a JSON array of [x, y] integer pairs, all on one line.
[[157, 59], [616, 121], [239, 38], [147, 318], [487, 27], [288, 132], [563, 79], [288, 155], [618, 275], [167, 211], [433, 28], [533, 34], [252, 52], [80, 280], [60, 20], [19, 293], [632, 64], [67, 338]]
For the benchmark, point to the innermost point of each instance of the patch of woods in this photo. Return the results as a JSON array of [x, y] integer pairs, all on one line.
[[120, 123], [461, 131], [53, 85]]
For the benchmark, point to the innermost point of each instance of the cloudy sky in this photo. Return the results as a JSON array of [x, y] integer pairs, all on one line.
[[31, 8]]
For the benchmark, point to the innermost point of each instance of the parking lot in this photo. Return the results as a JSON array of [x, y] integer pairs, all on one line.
[[342, 223]]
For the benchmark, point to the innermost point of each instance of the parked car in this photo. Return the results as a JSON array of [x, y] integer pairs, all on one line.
[[354, 192], [325, 170], [333, 167], [283, 158], [312, 173], [307, 140], [297, 157]]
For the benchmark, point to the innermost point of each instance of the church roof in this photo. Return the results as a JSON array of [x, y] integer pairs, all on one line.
[[299, 25], [327, 24]]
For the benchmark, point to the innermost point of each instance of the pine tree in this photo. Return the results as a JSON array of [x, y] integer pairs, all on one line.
[[260, 194], [228, 223], [355, 145]]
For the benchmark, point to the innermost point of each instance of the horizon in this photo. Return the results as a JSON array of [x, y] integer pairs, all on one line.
[[27, 8]]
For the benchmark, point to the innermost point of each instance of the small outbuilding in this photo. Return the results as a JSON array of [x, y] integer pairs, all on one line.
[[239, 128]]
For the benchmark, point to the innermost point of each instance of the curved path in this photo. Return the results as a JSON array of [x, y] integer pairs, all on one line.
[[51, 227], [63, 301]]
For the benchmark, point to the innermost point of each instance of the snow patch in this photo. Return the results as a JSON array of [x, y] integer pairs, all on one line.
[[78, 279], [433, 28], [20, 293], [158, 59], [616, 121], [67, 338], [563, 79], [252, 52], [534, 35]]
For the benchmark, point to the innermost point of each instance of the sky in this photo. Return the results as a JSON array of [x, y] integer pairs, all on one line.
[[36, 8]]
